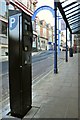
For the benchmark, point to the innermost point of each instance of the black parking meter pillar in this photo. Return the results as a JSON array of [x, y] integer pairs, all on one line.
[[66, 46], [55, 44], [20, 70]]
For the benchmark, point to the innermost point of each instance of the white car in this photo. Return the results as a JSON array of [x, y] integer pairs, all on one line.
[[63, 48]]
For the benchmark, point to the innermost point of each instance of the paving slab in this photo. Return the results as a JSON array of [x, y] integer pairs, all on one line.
[[62, 92], [56, 95]]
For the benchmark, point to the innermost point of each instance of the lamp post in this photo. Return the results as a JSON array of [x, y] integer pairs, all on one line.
[[59, 31], [55, 44]]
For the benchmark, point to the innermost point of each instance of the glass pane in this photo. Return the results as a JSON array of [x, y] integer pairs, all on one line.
[[77, 12], [74, 26], [73, 9], [77, 29], [74, 21], [68, 2], [3, 11], [71, 6], [62, 1], [11, 7], [73, 17], [4, 28]]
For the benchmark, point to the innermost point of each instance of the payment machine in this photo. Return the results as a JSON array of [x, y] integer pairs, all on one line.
[[20, 67]]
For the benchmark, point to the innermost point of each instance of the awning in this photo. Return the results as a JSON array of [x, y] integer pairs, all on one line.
[[70, 10]]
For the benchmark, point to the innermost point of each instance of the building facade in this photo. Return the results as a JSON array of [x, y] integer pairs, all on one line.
[[3, 28], [42, 32], [45, 34], [28, 6]]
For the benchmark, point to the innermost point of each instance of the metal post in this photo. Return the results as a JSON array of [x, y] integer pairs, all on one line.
[[71, 49], [55, 45], [66, 46], [36, 44], [58, 37], [70, 40]]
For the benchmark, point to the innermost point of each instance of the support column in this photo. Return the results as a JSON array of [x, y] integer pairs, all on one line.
[[71, 49], [58, 36], [55, 45], [70, 40], [66, 46]]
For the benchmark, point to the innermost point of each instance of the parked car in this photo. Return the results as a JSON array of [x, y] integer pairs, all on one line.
[[63, 48]]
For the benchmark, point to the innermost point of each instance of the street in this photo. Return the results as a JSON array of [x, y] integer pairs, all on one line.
[[41, 64]]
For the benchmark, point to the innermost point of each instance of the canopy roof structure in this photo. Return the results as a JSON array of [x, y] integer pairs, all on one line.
[[70, 10]]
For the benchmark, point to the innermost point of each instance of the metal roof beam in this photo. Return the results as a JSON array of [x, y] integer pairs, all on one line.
[[71, 8], [69, 5], [73, 11], [73, 15], [76, 32], [75, 22], [63, 15], [75, 27], [74, 19], [64, 1]]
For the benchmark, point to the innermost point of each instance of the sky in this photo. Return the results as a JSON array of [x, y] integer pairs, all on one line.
[[46, 14]]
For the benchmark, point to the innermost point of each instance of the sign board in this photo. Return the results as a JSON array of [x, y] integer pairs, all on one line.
[[13, 20]]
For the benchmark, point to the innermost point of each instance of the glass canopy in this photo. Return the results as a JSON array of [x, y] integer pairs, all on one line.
[[71, 10]]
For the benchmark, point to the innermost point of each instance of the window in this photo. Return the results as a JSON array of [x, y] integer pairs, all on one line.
[[3, 29], [11, 7], [3, 11], [44, 32], [43, 44]]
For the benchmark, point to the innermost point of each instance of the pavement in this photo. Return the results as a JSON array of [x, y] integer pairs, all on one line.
[[55, 95]]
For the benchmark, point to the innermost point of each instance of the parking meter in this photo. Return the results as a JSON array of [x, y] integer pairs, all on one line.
[[20, 62]]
